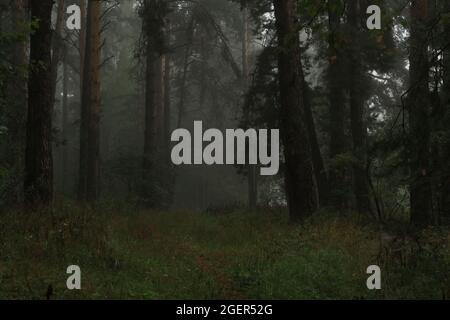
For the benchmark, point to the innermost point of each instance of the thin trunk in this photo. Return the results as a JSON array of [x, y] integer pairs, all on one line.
[[252, 176], [337, 104], [167, 97], [203, 73], [64, 124], [154, 135], [320, 173], [57, 44], [82, 39], [167, 106], [169, 176], [38, 184], [154, 103], [160, 103], [82, 174], [298, 173], [356, 87], [420, 186], [90, 119], [187, 54]]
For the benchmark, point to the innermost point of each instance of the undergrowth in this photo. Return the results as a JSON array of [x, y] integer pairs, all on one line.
[[127, 253]]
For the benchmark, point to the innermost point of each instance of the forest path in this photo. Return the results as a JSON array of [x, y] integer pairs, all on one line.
[[210, 262]]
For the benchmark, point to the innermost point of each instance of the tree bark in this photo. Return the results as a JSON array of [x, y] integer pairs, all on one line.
[[298, 168], [38, 184], [419, 104]]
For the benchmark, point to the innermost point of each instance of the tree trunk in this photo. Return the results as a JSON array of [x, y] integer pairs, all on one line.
[[82, 39], [252, 176], [320, 173], [90, 113], [445, 161], [420, 186], [57, 44], [298, 173], [154, 136], [167, 106], [169, 176], [38, 184], [64, 124], [16, 96], [187, 54], [82, 173], [356, 88], [154, 104], [337, 104]]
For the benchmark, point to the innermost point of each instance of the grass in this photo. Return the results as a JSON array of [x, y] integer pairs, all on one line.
[[126, 253]]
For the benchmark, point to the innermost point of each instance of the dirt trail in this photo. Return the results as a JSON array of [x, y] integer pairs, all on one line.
[[207, 262]]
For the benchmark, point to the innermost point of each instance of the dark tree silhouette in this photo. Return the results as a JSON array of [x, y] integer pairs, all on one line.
[[38, 182], [298, 172]]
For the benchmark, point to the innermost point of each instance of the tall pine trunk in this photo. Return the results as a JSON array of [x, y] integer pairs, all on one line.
[[167, 107], [64, 122], [169, 174], [320, 172], [298, 167], [183, 77], [57, 44], [155, 85], [337, 104], [38, 182], [356, 88], [82, 40], [445, 161], [154, 108], [252, 175], [16, 95], [418, 107], [89, 180]]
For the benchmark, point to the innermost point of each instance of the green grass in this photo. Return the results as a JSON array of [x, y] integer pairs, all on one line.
[[130, 254]]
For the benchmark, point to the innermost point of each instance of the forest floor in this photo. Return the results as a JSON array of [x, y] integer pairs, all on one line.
[[125, 253]]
